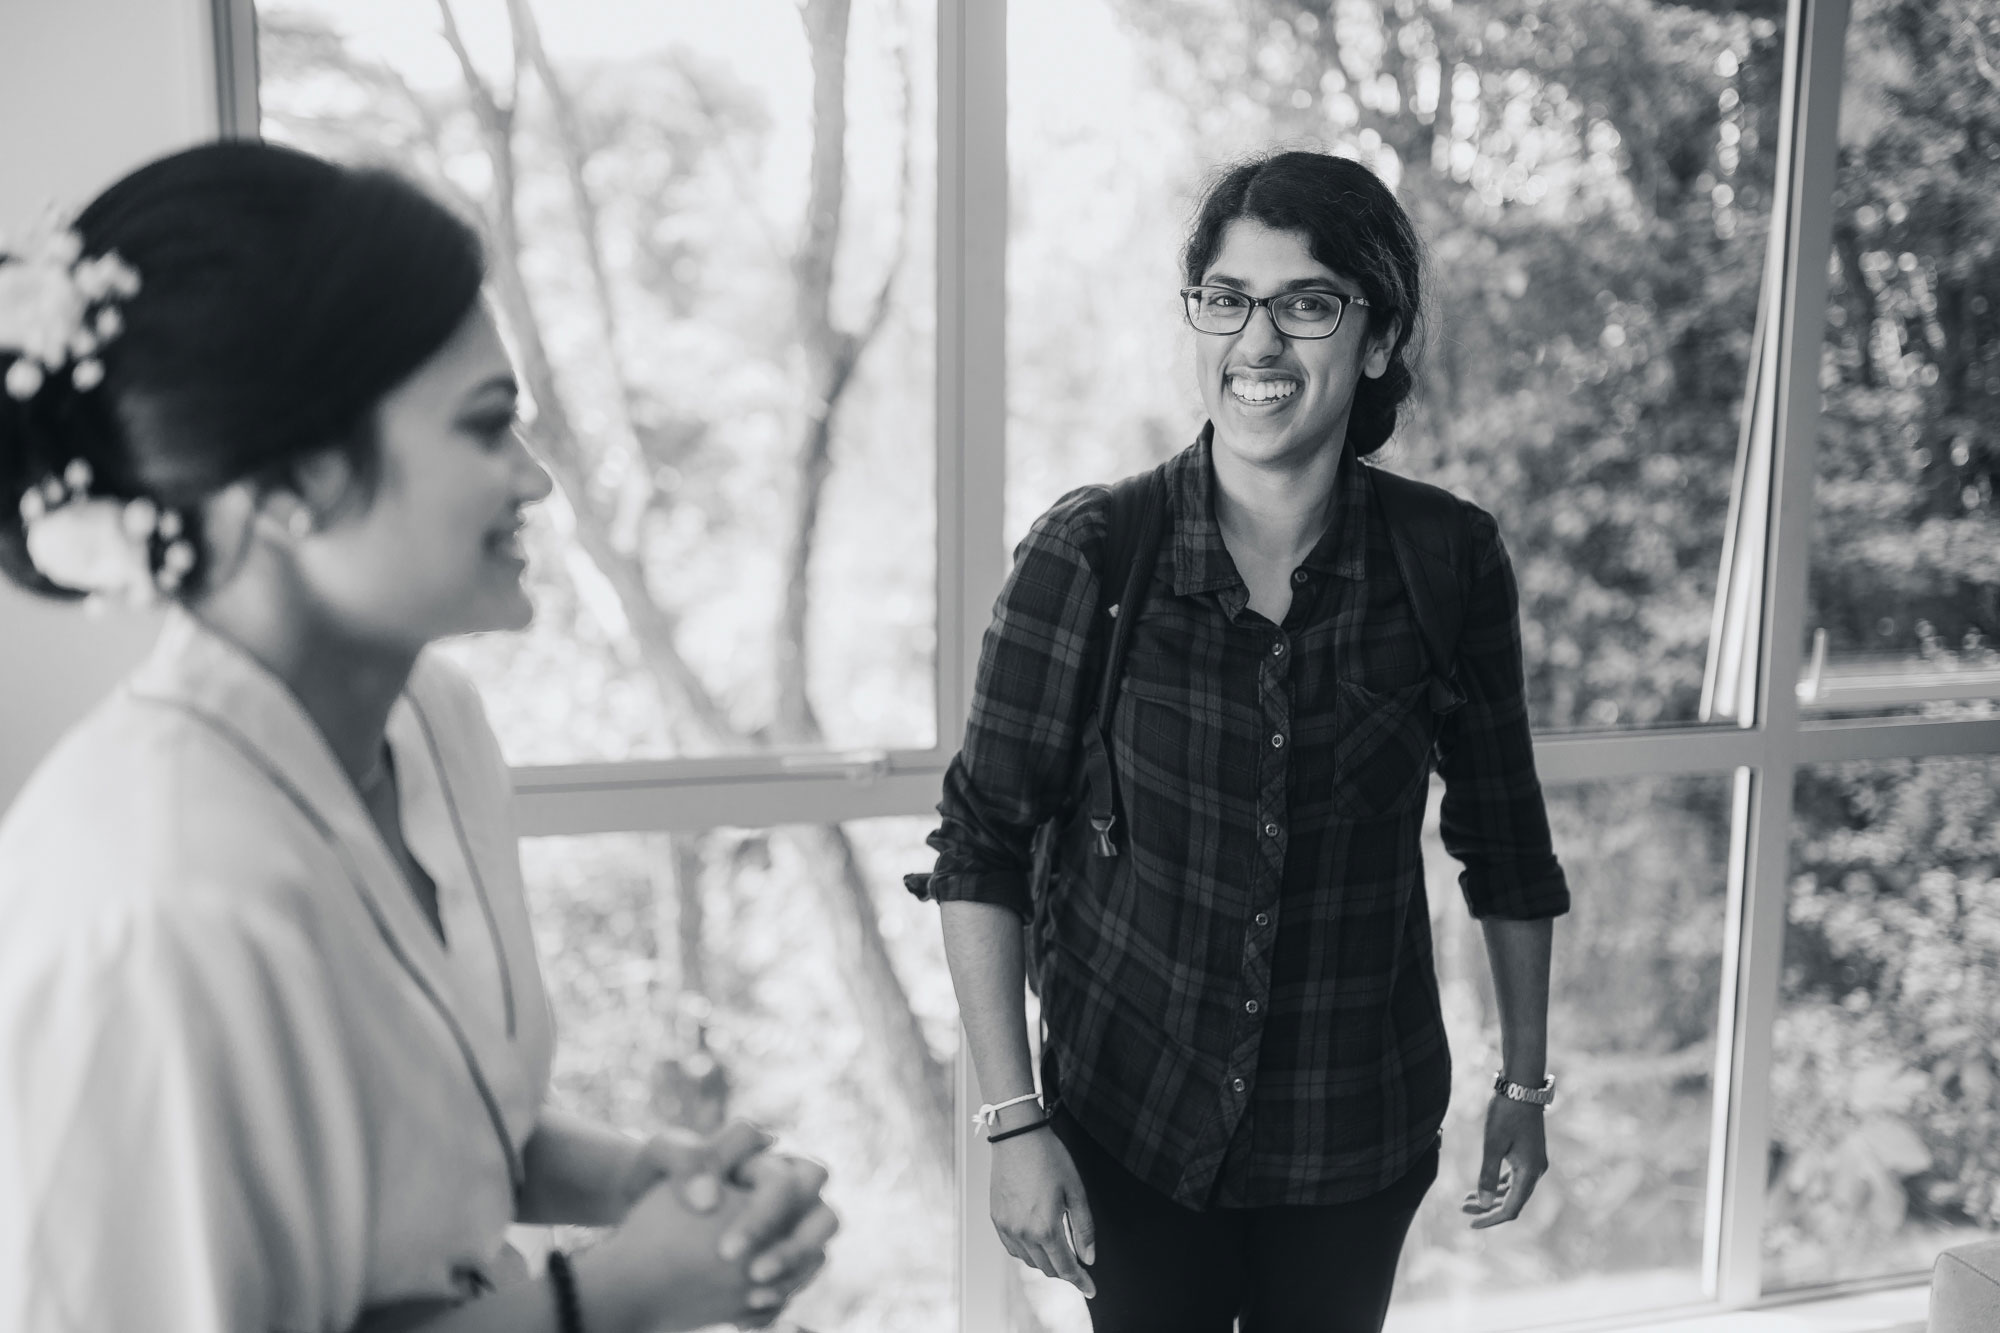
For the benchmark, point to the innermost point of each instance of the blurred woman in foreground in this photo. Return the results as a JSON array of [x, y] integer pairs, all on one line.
[[274, 1049]]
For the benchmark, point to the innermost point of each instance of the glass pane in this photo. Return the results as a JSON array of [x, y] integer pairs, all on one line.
[[1616, 1227], [1593, 184], [784, 976], [1904, 597], [1885, 1138], [738, 406]]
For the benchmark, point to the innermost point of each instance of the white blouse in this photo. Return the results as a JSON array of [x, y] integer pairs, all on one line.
[[243, 1086]]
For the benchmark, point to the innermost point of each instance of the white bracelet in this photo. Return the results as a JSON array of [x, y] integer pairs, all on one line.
[[988, 1115]]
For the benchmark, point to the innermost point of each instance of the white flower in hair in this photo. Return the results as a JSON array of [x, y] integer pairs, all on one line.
[[87, 546], [56, 307], [103, 547]]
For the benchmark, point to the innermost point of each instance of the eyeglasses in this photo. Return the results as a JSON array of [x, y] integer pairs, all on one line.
[[1306, 313]]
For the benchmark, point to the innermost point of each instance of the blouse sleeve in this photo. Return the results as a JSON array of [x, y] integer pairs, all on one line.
[[177, 1099]]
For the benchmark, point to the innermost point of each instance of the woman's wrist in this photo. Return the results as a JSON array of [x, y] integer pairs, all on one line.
[[1013, 1117]]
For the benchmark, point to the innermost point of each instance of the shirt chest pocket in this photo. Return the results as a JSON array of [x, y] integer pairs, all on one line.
[[1381, 749]]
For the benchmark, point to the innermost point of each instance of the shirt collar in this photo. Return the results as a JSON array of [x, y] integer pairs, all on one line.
[[1202, 562]]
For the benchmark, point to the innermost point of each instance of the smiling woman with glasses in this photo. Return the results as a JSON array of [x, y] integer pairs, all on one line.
[[1197, 764]]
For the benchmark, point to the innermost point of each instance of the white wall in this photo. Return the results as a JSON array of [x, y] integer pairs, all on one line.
[[88, 90]]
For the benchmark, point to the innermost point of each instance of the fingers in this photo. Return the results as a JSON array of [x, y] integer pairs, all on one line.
[[1065, 1263], [1082, 1228], [802, 1251], [781, 1189], [1051, 1253], [1521, 1178], [1490, 1166], [772, 1298], [1486, 1197], [699, 1165], [734, 1145]]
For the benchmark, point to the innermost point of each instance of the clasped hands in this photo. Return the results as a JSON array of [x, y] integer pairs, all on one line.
[[744, 1226]]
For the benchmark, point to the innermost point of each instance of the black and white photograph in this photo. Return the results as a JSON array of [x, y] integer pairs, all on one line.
[[999, 666]]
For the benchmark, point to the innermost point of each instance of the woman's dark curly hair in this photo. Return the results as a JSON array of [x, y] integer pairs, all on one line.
[[1354, 226]]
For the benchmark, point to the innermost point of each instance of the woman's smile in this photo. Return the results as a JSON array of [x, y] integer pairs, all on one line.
[[1263, 391], [504, 543]]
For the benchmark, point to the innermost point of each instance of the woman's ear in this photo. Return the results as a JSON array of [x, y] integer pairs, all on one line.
[[1381, 346], [320, 487]]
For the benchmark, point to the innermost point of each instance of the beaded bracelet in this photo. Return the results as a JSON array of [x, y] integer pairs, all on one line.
[[569, 1311]]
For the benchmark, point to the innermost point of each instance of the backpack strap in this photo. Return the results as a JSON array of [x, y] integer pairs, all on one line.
[[1135, 525], [1432, 542]]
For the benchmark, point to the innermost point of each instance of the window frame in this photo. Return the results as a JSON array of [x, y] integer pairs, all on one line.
[[1754, 698]]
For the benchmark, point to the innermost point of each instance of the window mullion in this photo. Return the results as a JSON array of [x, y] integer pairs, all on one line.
[[1816, 36], [972, 445]]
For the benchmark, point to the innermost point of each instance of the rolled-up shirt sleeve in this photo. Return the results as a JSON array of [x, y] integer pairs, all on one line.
[[1493, 817], [1029, 706]]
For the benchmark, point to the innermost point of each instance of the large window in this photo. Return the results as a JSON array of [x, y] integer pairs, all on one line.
[[717, 283], [818, 304]]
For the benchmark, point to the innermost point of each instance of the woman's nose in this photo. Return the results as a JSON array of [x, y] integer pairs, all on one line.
[[531, 480], [1260, 337]]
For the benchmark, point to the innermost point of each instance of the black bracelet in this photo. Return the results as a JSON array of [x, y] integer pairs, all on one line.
[[569, 1312], [1016, 1132]]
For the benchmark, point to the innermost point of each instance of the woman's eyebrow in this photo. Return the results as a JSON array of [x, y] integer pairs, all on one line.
[[1295, 285]]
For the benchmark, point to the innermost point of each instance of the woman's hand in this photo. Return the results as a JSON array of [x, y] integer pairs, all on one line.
[[662, 1269], [1516, 1157], [782, 1228], [672, 1266], [697, 1165], [1035, 1187]]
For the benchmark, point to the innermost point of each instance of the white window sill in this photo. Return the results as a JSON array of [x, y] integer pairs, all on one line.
[[1896, 1310]]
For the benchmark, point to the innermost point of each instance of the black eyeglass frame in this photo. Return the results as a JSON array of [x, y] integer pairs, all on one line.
[[1341, 299]]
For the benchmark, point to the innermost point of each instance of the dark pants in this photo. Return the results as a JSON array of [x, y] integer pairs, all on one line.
[[1162, 1268]]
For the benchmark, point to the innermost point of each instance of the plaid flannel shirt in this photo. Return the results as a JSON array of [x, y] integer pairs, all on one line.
[[1242, 1007]]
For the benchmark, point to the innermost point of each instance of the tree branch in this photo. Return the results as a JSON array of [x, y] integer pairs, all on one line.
[[652, 626], [912, 1075]]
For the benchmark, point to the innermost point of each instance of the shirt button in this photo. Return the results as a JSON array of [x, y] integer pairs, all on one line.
[[1236, 1084], [1277, 740], [1278, 648], [1299, 576], [1262, 918], [1270, 830], [1250, 1006]]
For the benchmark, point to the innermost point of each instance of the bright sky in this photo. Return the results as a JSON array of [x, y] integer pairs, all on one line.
[[1068, 58], [737, 33]]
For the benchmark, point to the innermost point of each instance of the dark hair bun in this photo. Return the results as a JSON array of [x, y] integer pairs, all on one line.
[[282, 296], [1353, 225]]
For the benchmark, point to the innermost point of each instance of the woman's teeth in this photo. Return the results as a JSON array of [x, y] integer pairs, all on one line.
[[1262, 391]]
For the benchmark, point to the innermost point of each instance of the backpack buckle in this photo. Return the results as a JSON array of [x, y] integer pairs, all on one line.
[[1102, 826]]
